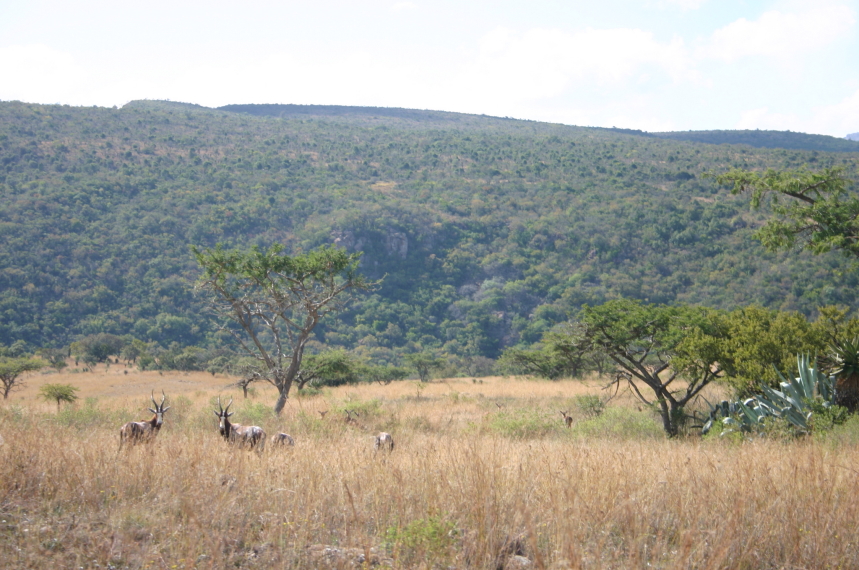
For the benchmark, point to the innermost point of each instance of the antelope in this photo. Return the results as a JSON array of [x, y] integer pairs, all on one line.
[[349, 419], [251, 436], [384, 441], [138, 432], [567, 419], [281, 439]]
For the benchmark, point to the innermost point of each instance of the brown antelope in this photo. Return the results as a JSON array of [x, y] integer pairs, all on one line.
[[138, 432], [349, 419], [384, 441], [567, 419], [281, 439], [250, 436]]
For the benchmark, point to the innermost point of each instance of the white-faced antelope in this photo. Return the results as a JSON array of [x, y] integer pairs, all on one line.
[[567, 419], [281, 439], [137, 432], [384, 441], [250, 436]]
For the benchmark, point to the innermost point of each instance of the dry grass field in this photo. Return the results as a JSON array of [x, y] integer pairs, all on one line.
[[484, 475]]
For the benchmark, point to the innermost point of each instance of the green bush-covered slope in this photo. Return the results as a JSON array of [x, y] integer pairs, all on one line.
[[487, 230]]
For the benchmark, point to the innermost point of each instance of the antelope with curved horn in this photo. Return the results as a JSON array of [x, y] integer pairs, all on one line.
[[137, 432], [567, 419], [251, 436], [384, 441]]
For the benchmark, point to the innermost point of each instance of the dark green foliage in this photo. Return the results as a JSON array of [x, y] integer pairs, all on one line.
[[490, 231]]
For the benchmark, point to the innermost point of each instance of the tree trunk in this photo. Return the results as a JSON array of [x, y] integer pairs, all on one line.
[[847, 392], [667, 423], [281, 400]]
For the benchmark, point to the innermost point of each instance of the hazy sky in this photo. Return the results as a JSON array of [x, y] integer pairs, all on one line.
[[652, 64]]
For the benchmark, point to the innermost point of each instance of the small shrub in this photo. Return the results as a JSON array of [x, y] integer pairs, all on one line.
[[431, 539], [846, 433], [619, 423], [254, 413], [309, 391], [590, 405]]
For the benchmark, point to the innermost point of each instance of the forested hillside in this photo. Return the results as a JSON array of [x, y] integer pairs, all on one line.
[[487, 231]]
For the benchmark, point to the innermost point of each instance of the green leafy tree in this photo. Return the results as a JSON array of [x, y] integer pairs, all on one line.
[[59, 393], [758, 342], [56, 357], [424, 363], [812, 209], [383, 374], [673, 352], [329, 368], [273, 302], [97, 348], [11, 370]]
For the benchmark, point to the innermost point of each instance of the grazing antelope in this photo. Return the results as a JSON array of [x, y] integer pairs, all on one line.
[[349, 419], [281, 439], [384, 441], [137, 432], [567, 419], [251, 436]]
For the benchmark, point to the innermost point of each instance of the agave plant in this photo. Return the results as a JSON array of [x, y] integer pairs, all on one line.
[[793, 402], [845, 357]]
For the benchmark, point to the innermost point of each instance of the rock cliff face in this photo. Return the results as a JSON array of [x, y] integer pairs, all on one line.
[[397, 243], [852, 137]]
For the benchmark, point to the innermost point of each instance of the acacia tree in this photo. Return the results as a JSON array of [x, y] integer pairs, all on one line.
[[673, 351], [59, 393], [423, 362], [811, 209], [272, 302], [11, 370]]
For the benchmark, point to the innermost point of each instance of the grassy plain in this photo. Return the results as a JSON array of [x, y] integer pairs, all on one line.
[[481, 470]]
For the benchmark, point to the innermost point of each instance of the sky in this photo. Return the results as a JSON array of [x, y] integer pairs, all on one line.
[[655, 65]]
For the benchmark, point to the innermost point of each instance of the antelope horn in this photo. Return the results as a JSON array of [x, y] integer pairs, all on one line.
[[219, 404], [163, 398], [152, 397], [228, 405]]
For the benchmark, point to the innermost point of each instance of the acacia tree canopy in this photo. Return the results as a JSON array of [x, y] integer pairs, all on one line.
[[11, 370], [813, 209], [272, 302], [654, 345]]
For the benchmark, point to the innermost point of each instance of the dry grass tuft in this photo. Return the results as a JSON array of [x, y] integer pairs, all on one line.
[[483, 476]]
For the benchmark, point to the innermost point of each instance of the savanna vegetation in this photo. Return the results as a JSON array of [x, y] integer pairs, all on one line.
[[485, 233], [485, 474], [312, 256]]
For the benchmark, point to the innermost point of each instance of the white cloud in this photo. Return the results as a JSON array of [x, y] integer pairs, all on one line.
[[837, 120], [543, 63], [682, 4], [779, 34], [31, 71]]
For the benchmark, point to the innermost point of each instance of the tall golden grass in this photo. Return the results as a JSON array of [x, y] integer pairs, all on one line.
[[480, 472]]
